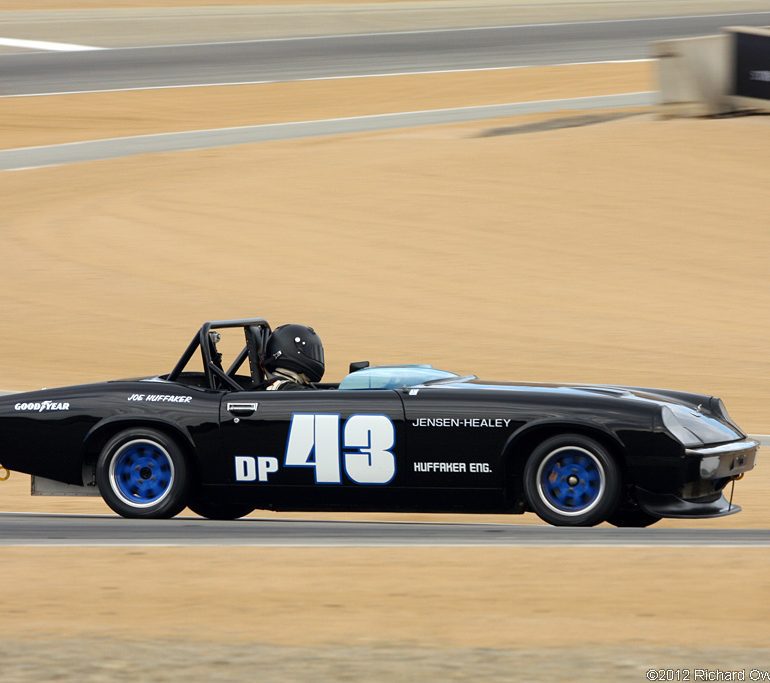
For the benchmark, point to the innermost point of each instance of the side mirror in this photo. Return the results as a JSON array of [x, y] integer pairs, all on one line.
[[359, 365]]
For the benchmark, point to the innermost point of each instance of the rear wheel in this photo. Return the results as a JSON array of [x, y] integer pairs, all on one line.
[[142, 473], [216, 510], [571, 480], [633, 518]]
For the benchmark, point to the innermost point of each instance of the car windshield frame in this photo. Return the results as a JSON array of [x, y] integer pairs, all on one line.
[[393, 377]]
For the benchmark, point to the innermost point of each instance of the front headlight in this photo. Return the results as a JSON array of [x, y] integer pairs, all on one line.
[[709, 466], [677, 429], [693, 428]]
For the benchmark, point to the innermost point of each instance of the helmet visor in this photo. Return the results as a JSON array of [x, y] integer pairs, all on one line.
[[313, 350]]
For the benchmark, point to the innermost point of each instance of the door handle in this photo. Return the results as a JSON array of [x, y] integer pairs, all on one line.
[[242, 409]]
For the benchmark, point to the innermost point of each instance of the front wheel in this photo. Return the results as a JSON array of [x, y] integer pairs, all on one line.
[[571, 480], [141, 473]]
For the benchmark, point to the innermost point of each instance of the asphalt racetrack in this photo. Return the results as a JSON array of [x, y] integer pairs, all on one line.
[[351, 55], [82, 530]]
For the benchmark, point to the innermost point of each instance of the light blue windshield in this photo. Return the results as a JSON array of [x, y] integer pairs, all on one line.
[[393, 377]]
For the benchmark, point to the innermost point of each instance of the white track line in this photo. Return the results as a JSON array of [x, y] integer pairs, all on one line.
[[31, 168], [329, 78], [46, 45]]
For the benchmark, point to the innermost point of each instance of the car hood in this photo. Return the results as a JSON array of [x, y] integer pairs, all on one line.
[[708, 407], [614, 391]]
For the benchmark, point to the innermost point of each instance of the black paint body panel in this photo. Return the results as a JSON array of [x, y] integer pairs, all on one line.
[[484, 430]]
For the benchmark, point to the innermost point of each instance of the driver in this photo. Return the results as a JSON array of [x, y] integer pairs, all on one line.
[[294, 358]]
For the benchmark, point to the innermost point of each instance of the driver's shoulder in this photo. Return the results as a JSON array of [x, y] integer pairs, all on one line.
[[287, 385]]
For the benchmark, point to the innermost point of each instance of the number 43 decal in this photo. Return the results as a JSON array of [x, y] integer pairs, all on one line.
[[314, 441]]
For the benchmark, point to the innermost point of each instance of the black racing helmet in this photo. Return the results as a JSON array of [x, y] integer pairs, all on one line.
[[297, 348]]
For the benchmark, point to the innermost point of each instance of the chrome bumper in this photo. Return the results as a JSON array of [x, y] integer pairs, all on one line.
[[727, 460]]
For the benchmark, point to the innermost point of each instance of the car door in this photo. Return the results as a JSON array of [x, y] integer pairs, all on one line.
[[456, 442], [316, 449]]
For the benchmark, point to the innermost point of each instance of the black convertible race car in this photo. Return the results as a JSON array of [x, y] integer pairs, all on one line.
[[398, 438]]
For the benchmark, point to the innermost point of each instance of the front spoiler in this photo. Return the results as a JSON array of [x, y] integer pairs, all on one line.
[[669, 505], [724, 461]]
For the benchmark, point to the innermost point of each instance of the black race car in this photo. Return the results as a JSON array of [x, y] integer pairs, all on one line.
[[398, 438]]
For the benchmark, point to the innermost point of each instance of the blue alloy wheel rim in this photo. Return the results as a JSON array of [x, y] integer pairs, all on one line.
[[141, 473], [570, 480]]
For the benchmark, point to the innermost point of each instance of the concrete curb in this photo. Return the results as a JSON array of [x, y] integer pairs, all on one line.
[[95, 150]]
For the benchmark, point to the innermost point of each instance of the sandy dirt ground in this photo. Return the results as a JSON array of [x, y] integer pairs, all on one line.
[[487, 610], [627, 252], [173, 660], [305, 614], [27, 121], [484, 597]]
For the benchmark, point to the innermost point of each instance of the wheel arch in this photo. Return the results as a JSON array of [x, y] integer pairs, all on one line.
[[520, 445], [101, 433]]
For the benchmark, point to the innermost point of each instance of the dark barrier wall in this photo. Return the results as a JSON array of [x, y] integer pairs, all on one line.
[[751, 77]]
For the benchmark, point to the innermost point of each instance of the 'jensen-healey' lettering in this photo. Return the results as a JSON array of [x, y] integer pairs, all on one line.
[[460, 422]]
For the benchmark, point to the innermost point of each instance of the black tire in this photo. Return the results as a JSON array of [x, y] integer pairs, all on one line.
[[633, 518], [572, 480], [218, 510], [142, 473]]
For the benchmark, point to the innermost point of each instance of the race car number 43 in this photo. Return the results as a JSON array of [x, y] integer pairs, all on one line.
[[314, 441]]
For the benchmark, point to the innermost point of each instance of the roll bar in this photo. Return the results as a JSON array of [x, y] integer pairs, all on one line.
[[256, 331]]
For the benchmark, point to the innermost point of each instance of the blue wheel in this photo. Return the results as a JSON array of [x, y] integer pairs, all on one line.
[[572, 480], [142, 473]]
